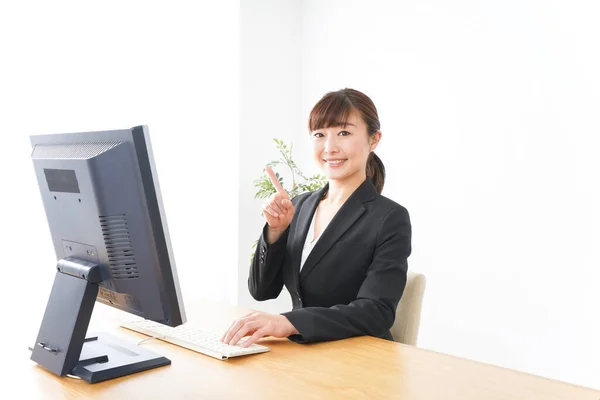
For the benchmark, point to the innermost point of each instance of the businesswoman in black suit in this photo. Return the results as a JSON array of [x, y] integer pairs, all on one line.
[[341, 251]]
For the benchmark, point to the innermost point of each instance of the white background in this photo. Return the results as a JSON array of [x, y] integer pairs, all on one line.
[[489, 114]]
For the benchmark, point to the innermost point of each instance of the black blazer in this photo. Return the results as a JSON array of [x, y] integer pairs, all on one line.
[[354, 277]]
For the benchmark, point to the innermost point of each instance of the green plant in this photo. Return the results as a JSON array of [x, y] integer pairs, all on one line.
[[300, 182]]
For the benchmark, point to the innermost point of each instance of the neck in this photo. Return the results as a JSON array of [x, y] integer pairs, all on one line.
[[340, 190]]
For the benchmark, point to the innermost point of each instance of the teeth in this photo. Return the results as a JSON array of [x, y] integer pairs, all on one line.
[[336, 162]]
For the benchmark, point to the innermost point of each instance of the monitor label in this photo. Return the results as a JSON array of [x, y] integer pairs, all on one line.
[[61, 180]]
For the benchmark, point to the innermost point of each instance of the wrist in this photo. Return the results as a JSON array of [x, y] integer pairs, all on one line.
[[273, 234], [291, 328]]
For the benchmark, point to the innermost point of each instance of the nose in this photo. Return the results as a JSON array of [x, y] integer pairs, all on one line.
[[331, 145]]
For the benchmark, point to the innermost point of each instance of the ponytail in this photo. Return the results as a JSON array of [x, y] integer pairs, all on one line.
[[376, 171]]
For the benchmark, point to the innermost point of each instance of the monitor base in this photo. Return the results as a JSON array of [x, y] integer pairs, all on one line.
[[105, 357], [61, 346]]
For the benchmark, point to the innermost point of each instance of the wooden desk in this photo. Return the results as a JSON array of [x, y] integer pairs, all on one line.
[[357, 368]]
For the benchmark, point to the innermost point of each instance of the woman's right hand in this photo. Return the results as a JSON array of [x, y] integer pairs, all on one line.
[[278, 209]]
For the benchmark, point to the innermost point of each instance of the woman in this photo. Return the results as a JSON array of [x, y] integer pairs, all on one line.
[[341, 251]]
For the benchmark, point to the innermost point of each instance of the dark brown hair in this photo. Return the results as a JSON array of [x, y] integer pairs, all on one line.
[[335, 108]]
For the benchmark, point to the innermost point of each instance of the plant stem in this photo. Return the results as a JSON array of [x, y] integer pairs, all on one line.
[[293, 178], [288, 162]]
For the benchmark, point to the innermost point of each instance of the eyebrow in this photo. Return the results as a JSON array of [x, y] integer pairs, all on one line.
[[337, 125]]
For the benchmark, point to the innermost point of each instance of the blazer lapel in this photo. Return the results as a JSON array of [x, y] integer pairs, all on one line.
[[346, 216], [305, 215]]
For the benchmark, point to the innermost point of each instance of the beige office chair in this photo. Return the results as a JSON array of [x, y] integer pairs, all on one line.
[[408, 313]]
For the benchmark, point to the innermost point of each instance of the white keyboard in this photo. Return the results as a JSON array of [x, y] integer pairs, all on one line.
[[207, 343]]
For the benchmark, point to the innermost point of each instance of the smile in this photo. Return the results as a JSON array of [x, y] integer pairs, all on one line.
[[334, 162]]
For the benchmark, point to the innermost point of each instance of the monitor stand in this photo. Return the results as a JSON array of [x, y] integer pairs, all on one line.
[[61, 345]]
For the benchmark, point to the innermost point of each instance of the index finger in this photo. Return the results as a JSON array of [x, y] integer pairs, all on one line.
[[275, 182], [260, 333]]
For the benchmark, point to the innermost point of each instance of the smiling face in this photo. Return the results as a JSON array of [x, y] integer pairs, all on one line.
[[341, 151]]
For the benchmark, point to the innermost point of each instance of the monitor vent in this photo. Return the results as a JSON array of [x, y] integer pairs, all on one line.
[[118, 246], [71, 151]]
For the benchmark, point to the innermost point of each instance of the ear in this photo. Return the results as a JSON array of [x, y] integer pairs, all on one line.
[[374, 141]]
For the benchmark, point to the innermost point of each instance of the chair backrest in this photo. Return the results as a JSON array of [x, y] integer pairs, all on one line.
[[408, 313]]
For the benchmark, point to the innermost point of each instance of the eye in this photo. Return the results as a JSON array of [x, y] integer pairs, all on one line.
[[344, 133], [318, 135]]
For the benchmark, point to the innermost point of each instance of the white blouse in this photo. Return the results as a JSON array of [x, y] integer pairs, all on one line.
[[310, 241]]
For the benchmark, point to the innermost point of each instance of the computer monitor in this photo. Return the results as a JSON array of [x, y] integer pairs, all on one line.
[[103, 205]]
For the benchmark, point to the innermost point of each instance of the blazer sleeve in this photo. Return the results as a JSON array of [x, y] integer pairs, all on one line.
[[374, 310], [265, 279]]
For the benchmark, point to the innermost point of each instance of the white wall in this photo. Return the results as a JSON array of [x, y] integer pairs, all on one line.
[[270, 108], [489, 119], [70, 67]]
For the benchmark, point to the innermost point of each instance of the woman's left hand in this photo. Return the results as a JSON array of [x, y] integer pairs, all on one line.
[[258, 325]]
